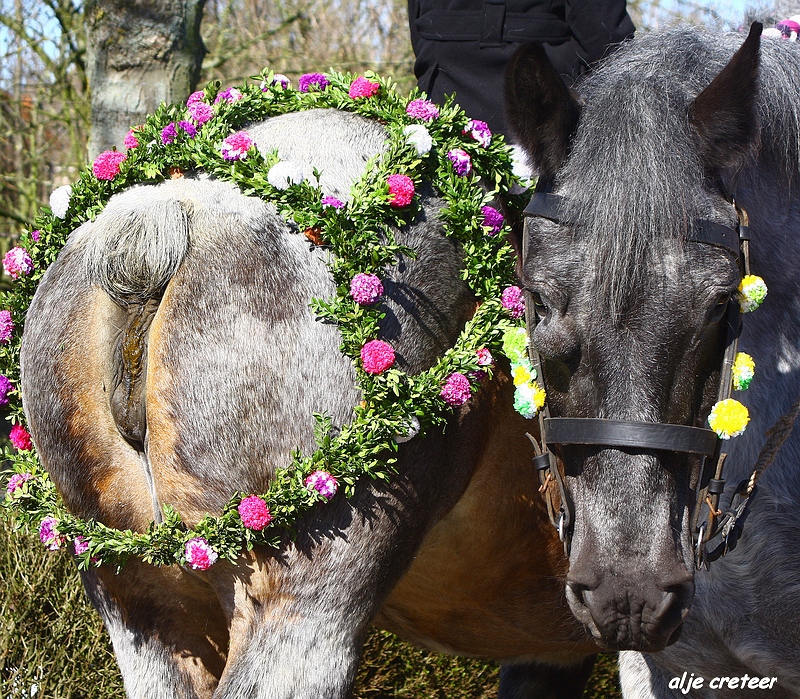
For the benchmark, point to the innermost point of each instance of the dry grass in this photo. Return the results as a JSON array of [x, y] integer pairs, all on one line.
[[52, 639]]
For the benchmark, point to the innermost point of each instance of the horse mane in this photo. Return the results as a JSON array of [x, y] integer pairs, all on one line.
[[635, 173]]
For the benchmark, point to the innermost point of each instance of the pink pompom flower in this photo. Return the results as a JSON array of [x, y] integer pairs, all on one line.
[[377, 356], [195, 98], [492, 219], [462, 163], [422, 109], [513, 302], [484, 357], [6, 326], [48, 533], [36, 235], [130, 139], [20, 438], [80, 545], [188, 128], [235, 147], [401, 190], [362, 87], [254, 513], [230, 94], [366, 288], [5, 388], [16, 481], [789, 29], [456, 390], [332, 202], [323, 482], [17, 263], [312, 80], [199, 554], [106, 165], [479, 130], [200, 111]]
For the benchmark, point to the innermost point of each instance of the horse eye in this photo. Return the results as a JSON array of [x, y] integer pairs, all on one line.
[[720, 306], [539, 304]]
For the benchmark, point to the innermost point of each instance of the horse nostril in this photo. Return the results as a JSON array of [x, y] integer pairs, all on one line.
[[580, 593]]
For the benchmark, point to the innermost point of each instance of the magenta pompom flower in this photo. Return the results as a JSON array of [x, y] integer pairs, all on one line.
[[231, 94], [235, 147], [17, 263], [492, 219], [362, 87], [485, 357], [5, 388], [479, 130], [16, 481], [332, 202], [169, 133], [401, 190], [189, 128], [789, 29], [512, 301], [48, 533], [130, 139], [323, 482], [462, 163], [366, 288], [199, 554], [316, 80], [80, 545], [422, 109], [254, 512], [377, 356], [20, 438], [195, 97], [106, 165], [456, 390], [6, 326], [36, 235], [200, 111]]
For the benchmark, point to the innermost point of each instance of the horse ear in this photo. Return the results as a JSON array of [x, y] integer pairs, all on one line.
[[540, 110], [724, 115]]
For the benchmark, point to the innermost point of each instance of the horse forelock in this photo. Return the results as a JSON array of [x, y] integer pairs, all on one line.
[[634, 176]]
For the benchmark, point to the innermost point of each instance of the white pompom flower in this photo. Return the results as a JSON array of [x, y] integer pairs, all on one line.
[[285, 173], [419, 137], [521, 169], [59, 200], [413, 431]]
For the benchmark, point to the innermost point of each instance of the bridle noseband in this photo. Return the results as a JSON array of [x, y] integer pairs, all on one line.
[[718, 531]]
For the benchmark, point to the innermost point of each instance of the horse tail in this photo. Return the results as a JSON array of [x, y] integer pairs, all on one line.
[[138, 242]]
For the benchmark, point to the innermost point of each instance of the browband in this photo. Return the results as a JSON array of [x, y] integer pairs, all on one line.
[[550, 206], [637, 435]]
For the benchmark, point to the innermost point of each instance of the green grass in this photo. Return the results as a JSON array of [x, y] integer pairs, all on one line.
[[51, 637]]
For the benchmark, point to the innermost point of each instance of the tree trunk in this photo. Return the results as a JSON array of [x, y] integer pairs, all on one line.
[[141, 53]]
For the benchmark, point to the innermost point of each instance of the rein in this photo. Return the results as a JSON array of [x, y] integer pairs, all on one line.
[[719, 531]]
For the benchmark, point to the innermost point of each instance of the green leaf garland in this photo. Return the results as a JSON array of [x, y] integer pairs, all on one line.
[[360, 236]]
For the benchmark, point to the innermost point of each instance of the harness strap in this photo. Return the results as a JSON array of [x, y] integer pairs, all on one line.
[[635, 435]]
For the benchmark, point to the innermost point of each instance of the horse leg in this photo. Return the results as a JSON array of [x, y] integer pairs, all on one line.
[[544, 681], [168, 632]]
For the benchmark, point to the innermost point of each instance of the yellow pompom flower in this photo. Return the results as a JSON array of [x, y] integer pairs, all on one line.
[[728, 418], [743, 371], [752, 292], [522, 373]]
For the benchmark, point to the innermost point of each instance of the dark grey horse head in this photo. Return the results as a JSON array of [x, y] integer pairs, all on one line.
[[631, 310]]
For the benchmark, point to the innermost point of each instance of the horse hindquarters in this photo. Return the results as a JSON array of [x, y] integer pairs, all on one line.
[[235, 367]]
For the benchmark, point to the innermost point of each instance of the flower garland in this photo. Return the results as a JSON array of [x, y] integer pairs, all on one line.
[[426, 142]]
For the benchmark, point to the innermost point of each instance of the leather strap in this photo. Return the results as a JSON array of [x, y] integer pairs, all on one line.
[[624, 433], [545, 205]]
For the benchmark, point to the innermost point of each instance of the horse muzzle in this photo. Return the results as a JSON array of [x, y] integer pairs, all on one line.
[[640, 614]]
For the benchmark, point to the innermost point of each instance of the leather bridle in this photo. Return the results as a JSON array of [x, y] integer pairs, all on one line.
[[716, 533]]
